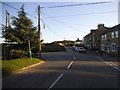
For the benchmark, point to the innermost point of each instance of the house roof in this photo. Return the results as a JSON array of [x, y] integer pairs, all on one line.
[[114, 28], [78, 40]]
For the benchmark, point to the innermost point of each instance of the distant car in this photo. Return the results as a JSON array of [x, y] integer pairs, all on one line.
[[81, 50], [77, 49]]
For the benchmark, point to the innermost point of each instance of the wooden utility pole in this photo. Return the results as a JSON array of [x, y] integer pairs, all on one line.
[[7, 40], [39, 33], [7, 21]]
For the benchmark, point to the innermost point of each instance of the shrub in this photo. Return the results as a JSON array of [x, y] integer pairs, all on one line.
[[52, 47], [18, 54]]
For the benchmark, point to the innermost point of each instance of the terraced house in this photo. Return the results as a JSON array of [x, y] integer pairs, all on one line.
[[110, 39], [104, 39], [92, 41]]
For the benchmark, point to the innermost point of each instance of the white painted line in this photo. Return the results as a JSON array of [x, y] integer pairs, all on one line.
[[55, 81], [109, 64], [69, 65], [113, 64]]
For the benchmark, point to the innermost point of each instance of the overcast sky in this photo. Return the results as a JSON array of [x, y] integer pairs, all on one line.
[[66, 23]]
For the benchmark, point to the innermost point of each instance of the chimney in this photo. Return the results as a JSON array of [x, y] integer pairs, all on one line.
[[100, 25]]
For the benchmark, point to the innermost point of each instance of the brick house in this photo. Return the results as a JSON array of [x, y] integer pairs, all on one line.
[[104, 39], [110, 39], [99, 31], [93, 39], [90, 40]]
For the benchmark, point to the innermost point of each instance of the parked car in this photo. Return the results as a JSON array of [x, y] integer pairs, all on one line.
[[77, 49], [81, 49]]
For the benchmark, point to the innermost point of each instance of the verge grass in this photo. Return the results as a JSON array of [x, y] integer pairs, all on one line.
[[11, 66]]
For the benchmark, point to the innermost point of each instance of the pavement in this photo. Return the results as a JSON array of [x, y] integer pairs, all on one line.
[[104, 56]]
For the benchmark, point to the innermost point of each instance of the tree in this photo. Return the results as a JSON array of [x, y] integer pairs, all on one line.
[[21, 30]]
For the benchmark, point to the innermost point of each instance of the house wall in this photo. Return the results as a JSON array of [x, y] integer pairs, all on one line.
[[103, 39], [99, 31], [110, 44]]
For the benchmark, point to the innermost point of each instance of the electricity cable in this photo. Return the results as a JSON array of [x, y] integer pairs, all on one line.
[[66, 25], [50, 28], [72, 5]]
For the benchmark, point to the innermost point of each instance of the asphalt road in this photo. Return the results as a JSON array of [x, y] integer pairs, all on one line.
[[68, 69]]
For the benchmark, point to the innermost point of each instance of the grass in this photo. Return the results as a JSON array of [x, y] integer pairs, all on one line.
[[11, 66]]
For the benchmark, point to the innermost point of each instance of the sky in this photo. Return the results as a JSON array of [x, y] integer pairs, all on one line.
[[65, 23]]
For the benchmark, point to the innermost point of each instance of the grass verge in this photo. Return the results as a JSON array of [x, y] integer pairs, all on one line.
[[11, 66]]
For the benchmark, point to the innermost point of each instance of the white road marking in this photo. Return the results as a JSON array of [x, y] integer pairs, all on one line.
[[55, 81], [110, 64], [69, 65], [113, 64]]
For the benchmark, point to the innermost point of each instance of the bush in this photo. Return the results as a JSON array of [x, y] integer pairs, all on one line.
[[52, 47], [18, 54]]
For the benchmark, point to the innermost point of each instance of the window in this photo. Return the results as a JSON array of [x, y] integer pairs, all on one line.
[[104, 37], [90, 39], [93, 40], [112, 34], [116, 34], [102, 47], [113, 47]]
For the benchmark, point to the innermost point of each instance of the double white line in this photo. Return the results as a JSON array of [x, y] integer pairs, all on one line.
[[109, 63]]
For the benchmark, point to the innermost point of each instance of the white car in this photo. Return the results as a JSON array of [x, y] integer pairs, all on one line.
[[81, 49], [77, 48]]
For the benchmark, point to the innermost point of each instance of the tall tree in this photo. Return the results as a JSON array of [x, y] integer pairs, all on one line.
[[21, 31]]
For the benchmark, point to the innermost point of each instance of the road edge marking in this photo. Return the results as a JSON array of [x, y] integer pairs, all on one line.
[[55, 81], [109, 64]]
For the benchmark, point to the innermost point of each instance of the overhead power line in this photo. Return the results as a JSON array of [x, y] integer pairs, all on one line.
[[72, 5], [17, 9], [66, 24], [10, 6], [84, 14], [50, 28]]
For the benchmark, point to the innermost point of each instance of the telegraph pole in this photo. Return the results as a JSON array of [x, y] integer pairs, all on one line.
[[7, 21], [7, 25], [39, 33]]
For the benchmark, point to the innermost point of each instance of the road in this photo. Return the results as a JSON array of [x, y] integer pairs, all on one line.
[[68, 69]]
